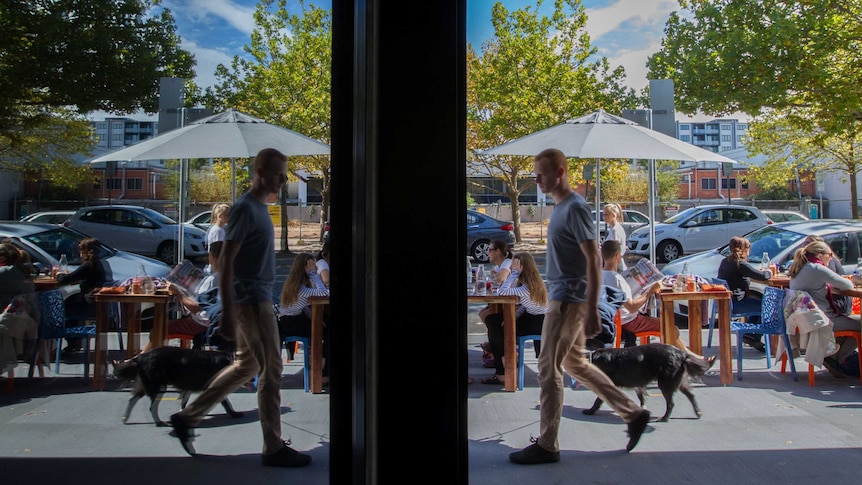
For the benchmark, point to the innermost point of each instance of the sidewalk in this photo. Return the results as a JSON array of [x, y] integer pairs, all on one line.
[[763, 429]]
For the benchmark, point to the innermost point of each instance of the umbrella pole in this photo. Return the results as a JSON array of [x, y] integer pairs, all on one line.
[[232, 181], [651, 207], [598, 199]]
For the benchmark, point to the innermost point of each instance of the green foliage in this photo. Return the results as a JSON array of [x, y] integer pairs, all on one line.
[[95, 54], [286, 81], [536, 72], [747, 55]]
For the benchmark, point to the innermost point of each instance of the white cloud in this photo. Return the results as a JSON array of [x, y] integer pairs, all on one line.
[[644, 12], [240, 17], [207, 60]]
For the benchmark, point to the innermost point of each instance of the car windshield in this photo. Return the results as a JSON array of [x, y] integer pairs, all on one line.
[[158, 217], [681, 215], [770, 239], [60, 241]]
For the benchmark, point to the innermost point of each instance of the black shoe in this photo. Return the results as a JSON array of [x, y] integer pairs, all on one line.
[[534, 455], [69, 350], [183, 432], [833, 367], [636, 429], [754, 343], [286, 457]]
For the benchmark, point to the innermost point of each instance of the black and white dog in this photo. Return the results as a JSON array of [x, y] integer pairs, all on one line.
[[188, 370], [636, 367]]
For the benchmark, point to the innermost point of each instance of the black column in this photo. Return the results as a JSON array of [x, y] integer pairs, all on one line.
[[398, 231]]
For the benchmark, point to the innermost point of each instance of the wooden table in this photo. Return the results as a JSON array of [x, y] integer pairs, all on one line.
[[779, 281], [318, 308], [510, 361], [722, 299], [43, 283], [130, 309]]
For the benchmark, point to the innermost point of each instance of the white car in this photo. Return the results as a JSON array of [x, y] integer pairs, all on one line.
[[783, 216], [48, 217], [696, 229], [139, 230], [632, 220]]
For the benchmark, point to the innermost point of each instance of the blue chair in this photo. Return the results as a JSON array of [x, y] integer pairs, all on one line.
[[52, 326], [771, 323], [522, 346], [714, 315], [306, 368]]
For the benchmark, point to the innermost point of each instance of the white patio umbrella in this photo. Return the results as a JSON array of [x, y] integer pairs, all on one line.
[[602, 135], [230, 134]]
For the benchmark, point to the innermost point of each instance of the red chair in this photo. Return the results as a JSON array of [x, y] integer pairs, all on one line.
[[644, 336], [855, 334]]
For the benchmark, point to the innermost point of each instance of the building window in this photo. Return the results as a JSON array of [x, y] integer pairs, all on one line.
[[744, 184], [707, 184], [732, 183], [114, 184], [741, 126], [101, 126], [117, 137], [117, 126], [726, 138], [725, 127], [684, 127], [134, 184], [726, 149], [740, 138], [686, 138]]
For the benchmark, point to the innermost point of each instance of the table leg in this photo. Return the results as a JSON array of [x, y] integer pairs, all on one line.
[[510, 361], [724, 341], [132, 315], [160, 325], [694, 326], [316, 348], [100, 364], [666, 321]]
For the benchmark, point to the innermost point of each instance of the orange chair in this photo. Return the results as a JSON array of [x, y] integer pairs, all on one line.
[[644, 336], [185, 340], [855, 334]]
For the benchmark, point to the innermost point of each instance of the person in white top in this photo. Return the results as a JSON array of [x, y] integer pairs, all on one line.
[[630, 312], [500, 256], [215, 234], [323, 264], [525, 282], [613, 215], [294, 313]]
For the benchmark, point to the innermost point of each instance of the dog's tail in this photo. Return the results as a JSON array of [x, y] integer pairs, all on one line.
[[697, 367]]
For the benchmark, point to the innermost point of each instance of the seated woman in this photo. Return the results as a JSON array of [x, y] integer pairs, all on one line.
[[630, 312], [525, 282], [810, 272], [90, 275], [500, 257], [16, 273], [323, 264], [294, 313], [738, 272]]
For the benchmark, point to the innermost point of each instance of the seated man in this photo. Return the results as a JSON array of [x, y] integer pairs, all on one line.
[[198, 313], [630, 312]]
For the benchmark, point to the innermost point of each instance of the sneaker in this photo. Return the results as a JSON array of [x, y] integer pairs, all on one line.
[[833, 367], [534, 455], [754, 343], [183, 432], [636, 429], [285, 457]]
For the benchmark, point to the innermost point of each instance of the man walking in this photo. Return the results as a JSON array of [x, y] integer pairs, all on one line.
[[246, 275], [573, 268]]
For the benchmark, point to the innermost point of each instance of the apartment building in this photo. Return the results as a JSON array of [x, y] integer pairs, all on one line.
[[719, 135]]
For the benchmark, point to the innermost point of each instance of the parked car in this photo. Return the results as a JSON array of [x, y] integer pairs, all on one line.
[[783, 216], [48, 217], [202, 221], [482, 229], [632, 220], [696, 229], [139, 230], [47, 242], [780, 241]]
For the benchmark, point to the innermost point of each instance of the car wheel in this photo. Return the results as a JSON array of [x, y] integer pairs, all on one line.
[[167, 252], [668, 251], [479, 251]]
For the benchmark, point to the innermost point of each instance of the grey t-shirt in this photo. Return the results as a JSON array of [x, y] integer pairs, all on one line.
[[566, 267], [254, 267]]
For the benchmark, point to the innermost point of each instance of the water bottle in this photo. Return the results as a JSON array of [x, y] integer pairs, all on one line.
[[764, 261], [480, 281], [64, 264], [681, 282]]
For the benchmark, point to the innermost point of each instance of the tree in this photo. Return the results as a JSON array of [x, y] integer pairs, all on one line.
[[799, 60], [796, 147], [534, 73], [286, 81], [92, 55]]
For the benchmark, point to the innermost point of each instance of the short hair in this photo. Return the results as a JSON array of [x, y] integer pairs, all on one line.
[[610, 248], [266, 156], [553, 155]]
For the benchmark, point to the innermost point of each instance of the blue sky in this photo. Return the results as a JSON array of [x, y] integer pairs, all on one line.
[[624, 31]]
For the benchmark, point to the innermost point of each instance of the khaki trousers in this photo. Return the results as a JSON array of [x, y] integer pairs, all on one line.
[[563, 347], [258, 352]]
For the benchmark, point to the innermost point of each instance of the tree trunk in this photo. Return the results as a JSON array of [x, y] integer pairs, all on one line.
[[516, 215], [282, 200], [324, 205]]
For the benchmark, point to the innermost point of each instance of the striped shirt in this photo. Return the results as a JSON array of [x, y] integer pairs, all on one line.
[[301, 304], [525, 305]]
